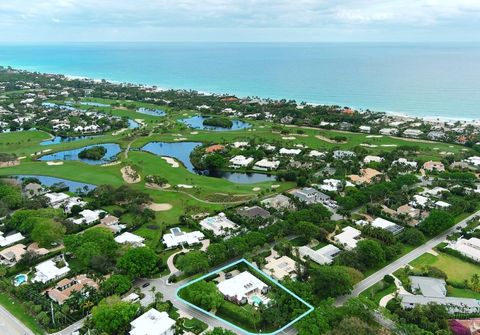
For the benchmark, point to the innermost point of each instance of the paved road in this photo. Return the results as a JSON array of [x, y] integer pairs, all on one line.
[[9, 325], [402, 261]]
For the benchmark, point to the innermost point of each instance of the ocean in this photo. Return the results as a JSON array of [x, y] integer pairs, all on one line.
[[426, 80]]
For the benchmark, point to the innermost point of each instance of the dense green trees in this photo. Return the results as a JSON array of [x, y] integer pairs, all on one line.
[[193, 262], [48, 232], [413, 236], [330, 281], [94, 153], [436, 222], [218, 122], [203, 294], [219, 331], [116, 284], [370, 253], [112, 315], [138, 262]]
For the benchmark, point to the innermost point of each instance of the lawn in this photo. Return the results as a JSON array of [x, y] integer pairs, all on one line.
[[456, 269], [18, 310], [378, 291]]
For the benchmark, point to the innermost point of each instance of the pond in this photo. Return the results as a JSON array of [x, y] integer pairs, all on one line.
[[196, 122], [152, 112], [49, 181], [93, 104], [113, 149], [61, 139], [181, 152], [133, 124]]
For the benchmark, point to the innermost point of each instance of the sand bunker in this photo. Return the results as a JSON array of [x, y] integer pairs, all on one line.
[[181, 139], [129, 175], [184, 186], [54, 163], [171, 161], [111, 163], [256, 189], [159, 207], [288, 137]]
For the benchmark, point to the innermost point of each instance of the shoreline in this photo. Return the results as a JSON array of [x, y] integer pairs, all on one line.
[[425, 118]]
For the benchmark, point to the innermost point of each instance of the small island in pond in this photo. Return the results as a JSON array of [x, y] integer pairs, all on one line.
[[95, 153], [218, 122]]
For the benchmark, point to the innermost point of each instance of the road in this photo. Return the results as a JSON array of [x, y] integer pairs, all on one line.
[[9, 325], [402, 261]]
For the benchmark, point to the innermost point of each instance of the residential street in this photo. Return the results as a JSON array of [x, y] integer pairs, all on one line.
[[402, 261], [9, 325]]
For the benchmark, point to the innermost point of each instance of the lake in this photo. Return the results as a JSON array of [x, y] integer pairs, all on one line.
[[49, 181], [181, 152], [196, 122], [152, 112], [113, 149], [61, 139]]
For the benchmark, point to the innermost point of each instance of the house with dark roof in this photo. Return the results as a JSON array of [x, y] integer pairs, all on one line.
[[254, 212]]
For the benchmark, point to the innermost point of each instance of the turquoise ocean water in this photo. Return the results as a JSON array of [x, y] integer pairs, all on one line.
[[441, 80]]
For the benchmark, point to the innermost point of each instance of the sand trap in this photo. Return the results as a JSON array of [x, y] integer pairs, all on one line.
[[389, 145], [194, 132], [159, 207], [10, 163], [368, 145], [118, 132], [171, 161], [111, 163], [256, 189], [328, 140], [181, 139], [275, 186], [288, 138], [130, 176], [54, 163], [23, 157], [374, 136], [184, 186]]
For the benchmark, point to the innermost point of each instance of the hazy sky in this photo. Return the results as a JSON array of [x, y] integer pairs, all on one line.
[[240, 20]]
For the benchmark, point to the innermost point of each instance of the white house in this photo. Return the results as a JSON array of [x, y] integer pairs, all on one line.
[[388, 131], [405, 162], [315, 153], [218, 224], [290, 152], [468, 247], [10, 239], [349, 237], [129, 238], [266, 165], [73, 201], [87, 216], [153, 322], [419, 201], [48, 271], [177, 237], [244, 288], [413, 133], [369, 159], [324, 255], [55, 200], [240, 161], [387, 225], [365, 129]]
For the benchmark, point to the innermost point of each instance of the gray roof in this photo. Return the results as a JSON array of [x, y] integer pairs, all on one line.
[[453, 304], [429, 287], [253, 212]]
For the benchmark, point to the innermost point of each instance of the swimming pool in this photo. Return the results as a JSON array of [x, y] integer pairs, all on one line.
[[20, 279], [256, 300]]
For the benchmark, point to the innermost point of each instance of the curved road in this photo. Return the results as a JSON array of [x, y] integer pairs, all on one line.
[[402, 261]]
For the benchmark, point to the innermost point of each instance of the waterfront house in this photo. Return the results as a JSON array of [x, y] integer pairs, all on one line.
[[266, 165], [240, 161], [55, 200]]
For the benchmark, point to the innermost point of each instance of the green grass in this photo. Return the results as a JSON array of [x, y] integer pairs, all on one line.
[[19, 311], [462, 293], [457, 270], [378, 291]]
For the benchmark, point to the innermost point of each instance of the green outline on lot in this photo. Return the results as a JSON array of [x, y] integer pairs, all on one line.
[[310, 307]]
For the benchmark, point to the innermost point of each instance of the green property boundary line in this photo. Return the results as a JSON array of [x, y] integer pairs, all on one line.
[[310, 307]]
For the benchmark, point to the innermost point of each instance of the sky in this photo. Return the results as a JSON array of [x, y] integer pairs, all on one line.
[[39, 21]]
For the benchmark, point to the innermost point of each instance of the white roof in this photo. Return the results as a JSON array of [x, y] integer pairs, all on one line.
[[285, 151], [240, 285], [404, 161], [48, 270], [348, 237], [268, 164], [176, 237], [315, 153], [219, 224], [152, 322], [442, 204], [56, 198], [382, 223], [130, 239], [369, 159], [323, 255], [241, 160], [280, 267], [467, 247], [88, 216], [420, 200], [11, 239]]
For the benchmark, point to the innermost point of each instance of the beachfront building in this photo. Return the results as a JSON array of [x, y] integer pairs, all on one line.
[[278, 202], [153, 322], [467, 247], [219, 224], [266, 165], [240, 161], [177, 238], [11, 255], [348, 238], [50, 270], [324, 255], [65, 287], [5, 241], [244, 288], [130, 239]]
